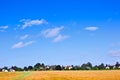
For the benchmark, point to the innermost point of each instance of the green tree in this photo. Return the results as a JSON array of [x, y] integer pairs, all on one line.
[[83, 66], [0, 69], [25, 68], [30, 68], [89, 65], [95, 67], [117, 65], [37, 66], [5, 67], [58, 67], [101, 66]]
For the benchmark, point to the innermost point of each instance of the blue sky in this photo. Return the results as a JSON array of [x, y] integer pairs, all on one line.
[[62, 32]]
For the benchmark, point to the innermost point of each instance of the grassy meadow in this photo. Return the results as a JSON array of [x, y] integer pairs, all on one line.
[[62, 75]]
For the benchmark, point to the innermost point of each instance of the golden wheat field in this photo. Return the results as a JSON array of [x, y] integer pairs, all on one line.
[[62, 75]]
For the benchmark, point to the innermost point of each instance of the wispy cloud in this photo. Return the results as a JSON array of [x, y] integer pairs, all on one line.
[[115, 53], [53, 32], [21, 44], [3, 27], [29, 23], [60, 38], [2, 30], [113, 45], [24, 36], [91, 28]]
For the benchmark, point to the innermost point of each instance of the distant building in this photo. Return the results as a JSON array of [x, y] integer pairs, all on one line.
[[119, 67], [4, 70], [107, 67], [88, 68], [114, 67], [12, 70], [47, 67], [41, 68], [68, 67]]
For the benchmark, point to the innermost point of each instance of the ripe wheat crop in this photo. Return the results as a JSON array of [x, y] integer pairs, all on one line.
[[75, 75], [62, 75]]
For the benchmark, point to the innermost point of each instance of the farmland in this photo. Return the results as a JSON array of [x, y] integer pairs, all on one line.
[[62, 75], [13, 75]]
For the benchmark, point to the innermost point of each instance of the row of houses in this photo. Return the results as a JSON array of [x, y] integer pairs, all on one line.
[[8, 70], [87, 67], [112, 67], [71, 67]]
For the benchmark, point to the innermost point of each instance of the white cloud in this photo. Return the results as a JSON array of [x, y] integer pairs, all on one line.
[[91, 28], [21, 44], [3, 27], [24, 37], [52, 32], [29, 23], [55, 34], [115, 53], [60, 38]]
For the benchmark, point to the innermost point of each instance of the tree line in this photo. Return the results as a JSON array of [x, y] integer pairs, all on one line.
[[85, 66]]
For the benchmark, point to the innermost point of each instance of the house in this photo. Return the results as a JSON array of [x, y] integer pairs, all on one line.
[[88, 68], [4, 70], [119, 67], [107, 67], [52, 67], [114, 67], [12, 70], [47, 67], [41, 68], [68, 67]]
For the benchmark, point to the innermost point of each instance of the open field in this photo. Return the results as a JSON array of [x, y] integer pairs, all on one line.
[[62, 75], [13, 75]]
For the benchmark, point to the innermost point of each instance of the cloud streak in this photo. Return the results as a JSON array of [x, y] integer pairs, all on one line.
[[24, 37], [3, 28], [115, 53], [21, 44], [91, 28], [55, 34], [29, 23], [60, 38], [52, 32]]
